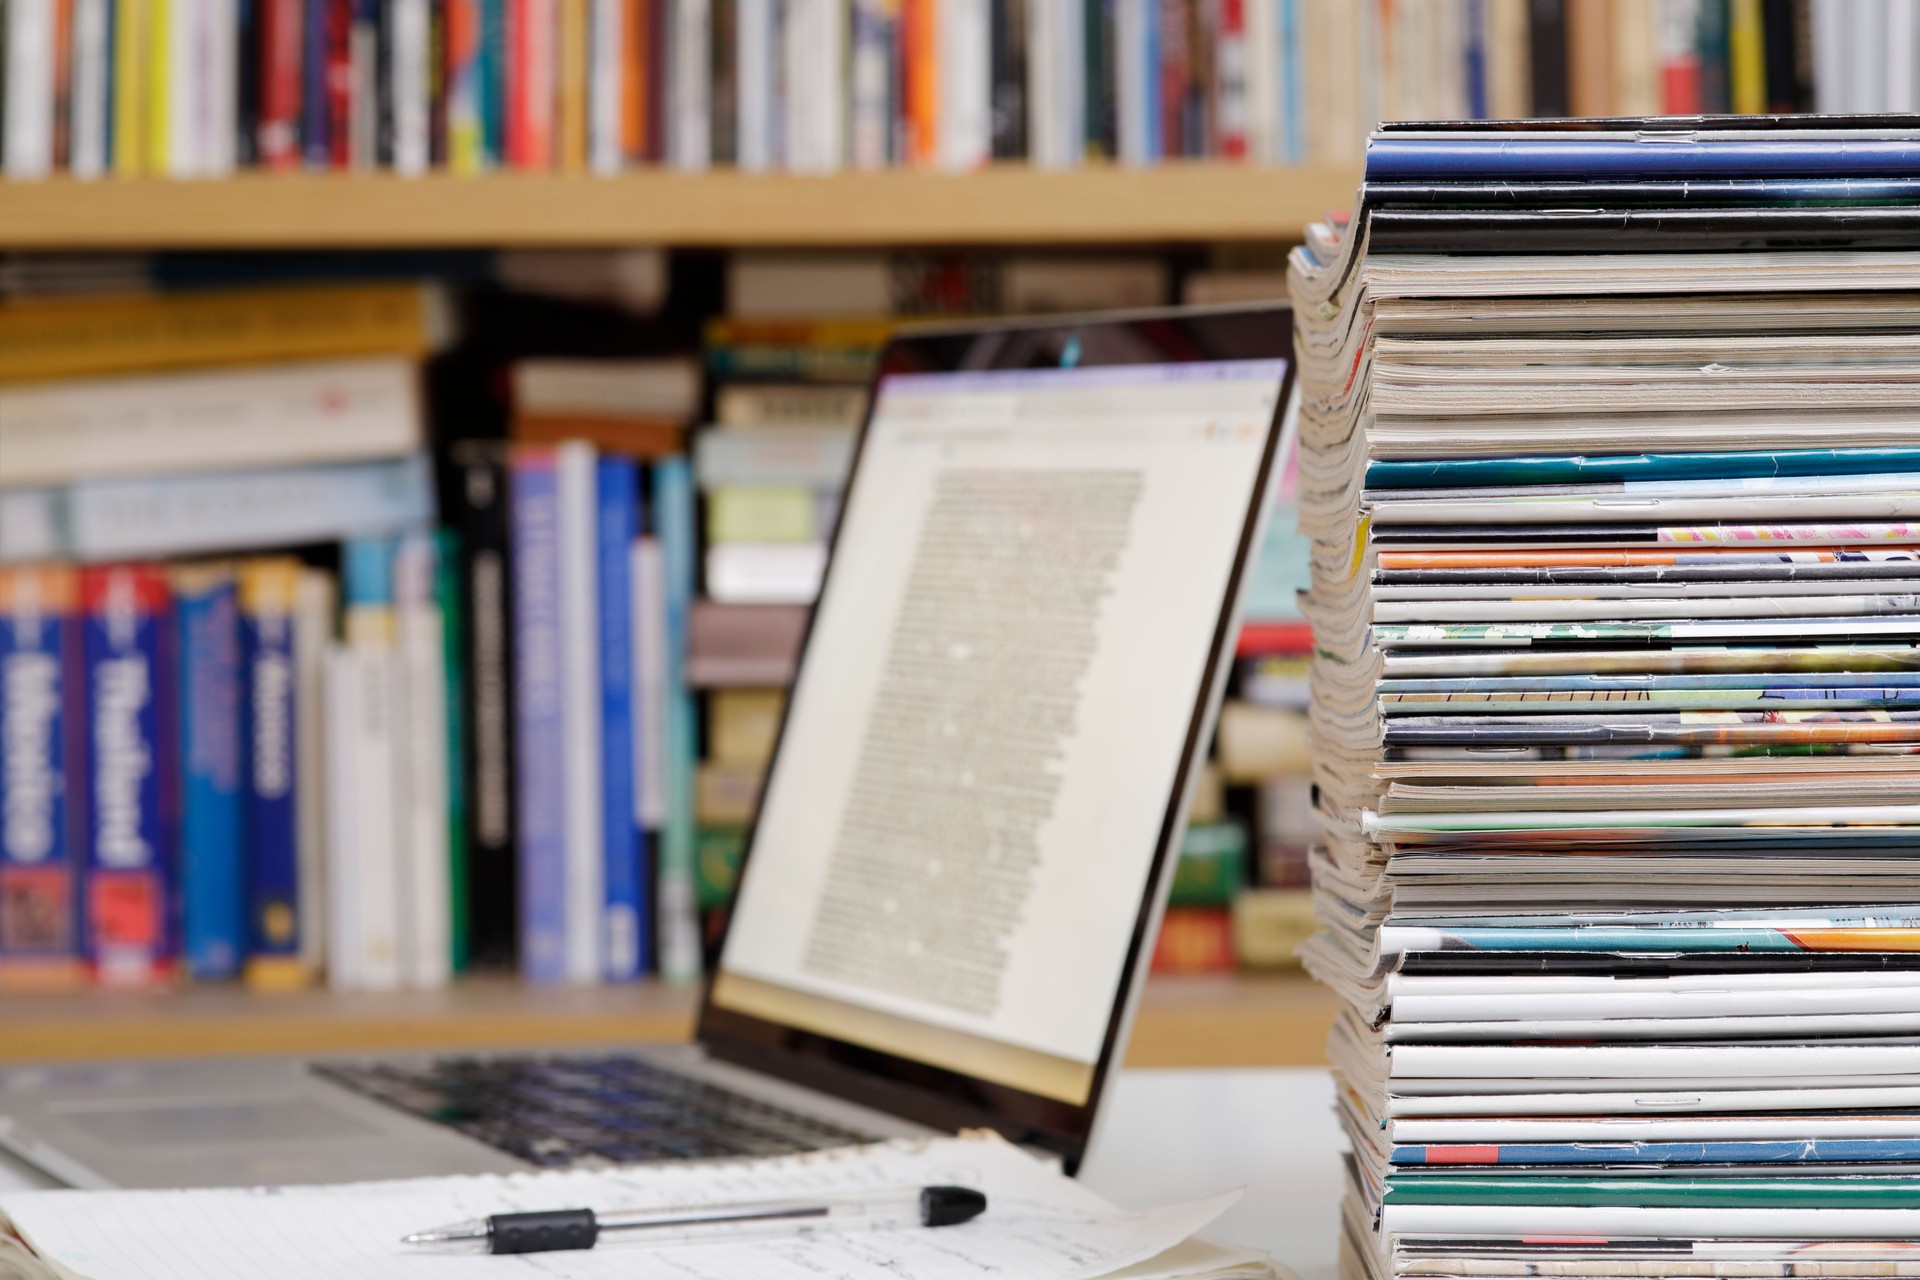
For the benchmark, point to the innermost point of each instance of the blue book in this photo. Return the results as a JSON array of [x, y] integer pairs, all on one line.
[[316, 140], [1476, 59], [267, 591], [617, 524], [1522, 157], [212, 863], [677, 881], [131, 931], [1152, 80], [1293, 83], [39, 891], [540, 783]]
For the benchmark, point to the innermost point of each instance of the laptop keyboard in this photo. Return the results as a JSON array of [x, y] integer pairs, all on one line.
[[613, 1109]]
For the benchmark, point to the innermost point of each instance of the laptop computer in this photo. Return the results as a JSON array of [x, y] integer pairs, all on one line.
[[971, 817]]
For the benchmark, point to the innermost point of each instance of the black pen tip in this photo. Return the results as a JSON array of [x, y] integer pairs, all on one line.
[[945, 1206]]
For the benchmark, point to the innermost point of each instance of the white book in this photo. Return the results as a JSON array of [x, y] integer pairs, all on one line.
[[1829, 32], [183, 138], [794, 109], [1902, 51], [830, 117], [201, 420], [421, 740], [1263, 72], [964, 39], [219, 98], [754, 58], [87, 123], [1866, 67], [373, 886], [409, 64], [341, 772], [1130, 18], [607, 20], [363, 117], [29, 88], [765, 572], [689, 133], [580, 709], [650, 799], [313, 611], [870, 79]]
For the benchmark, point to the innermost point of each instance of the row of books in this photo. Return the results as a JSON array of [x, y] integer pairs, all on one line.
[[202, 88]]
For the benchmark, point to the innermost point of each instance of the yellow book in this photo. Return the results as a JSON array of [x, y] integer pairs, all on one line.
[[763, 513], [157, 84], [573, 86], [742, 724], [89, 337], [129, 103], [1746, 58]]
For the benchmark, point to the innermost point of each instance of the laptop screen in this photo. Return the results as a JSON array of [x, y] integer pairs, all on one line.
[[987, 735]]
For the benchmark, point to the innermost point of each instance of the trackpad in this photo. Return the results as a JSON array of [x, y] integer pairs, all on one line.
[[193, 1122]]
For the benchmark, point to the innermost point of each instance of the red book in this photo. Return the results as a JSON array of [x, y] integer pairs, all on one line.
[[1230, 76], [339, 81], [530, 83], [1274, 639], [1174, 26], [281, 30], [1195, 940]]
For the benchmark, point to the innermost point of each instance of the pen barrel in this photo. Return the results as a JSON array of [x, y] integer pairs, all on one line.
[[547, 1232]]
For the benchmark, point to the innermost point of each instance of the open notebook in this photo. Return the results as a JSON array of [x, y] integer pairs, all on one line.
[[1040, 1225]]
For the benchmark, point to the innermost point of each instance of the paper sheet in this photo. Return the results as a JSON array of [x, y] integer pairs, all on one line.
[[1039, 1224]]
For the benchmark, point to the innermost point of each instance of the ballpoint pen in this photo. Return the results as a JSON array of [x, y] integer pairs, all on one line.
[[557, 1229]]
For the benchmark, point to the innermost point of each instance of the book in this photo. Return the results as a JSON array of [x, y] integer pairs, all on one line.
[[742, 725], [540, 802], [215, 512], [1212, 869], [131, 863], [274, 892], [92, 337], [584, 895], [40, 710], [425, 879], [316, 598], [486, 560], [365, 821], [762, 513], [765, 572], [743, 645], [802, 457], [677, 920], [625, 926], [213, 818]]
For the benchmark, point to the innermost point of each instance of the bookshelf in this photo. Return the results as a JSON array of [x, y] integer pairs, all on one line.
[[1242, 1020], [1005, 205]]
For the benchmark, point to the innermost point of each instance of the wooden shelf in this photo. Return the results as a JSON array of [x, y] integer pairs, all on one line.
[[1278, 1020], [1012, 204]]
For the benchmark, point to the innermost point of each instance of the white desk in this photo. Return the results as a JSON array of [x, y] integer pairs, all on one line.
[[1174, 1135]]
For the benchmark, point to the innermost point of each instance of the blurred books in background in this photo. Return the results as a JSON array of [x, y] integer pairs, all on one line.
[[128, 87], [344, 640]]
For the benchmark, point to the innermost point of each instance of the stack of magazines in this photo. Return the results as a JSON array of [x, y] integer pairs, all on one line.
[[1611, 461]]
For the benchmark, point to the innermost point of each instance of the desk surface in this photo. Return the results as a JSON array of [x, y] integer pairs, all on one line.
[[1174, 1135]]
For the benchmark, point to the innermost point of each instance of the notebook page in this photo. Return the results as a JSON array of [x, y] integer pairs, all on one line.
[[1038, 1224]]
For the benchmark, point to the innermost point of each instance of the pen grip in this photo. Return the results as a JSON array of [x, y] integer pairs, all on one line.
[[547, 1232]]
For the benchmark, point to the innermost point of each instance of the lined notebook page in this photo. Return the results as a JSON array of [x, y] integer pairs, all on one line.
[[1038, 1224]]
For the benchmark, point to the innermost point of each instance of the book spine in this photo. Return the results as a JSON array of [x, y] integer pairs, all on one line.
[[490, 83], [39, 776], [754, 83], [57, 432], [1099, 87], [128, 38], [91, 88], [679, 923], [580, 711], [316, 147], [617, 525], [316, 600], [212, 819], [1294, 103], [269, 591], [650, 786], [1679, 57], [870, 77], [62, 157], [368, 838], [1782, 38], [1008, 35], [606, 63], [633, 80], [131, 918], [489, 693], [1710, 38], [1547, 52], [363, 114], [247, 54], [965, 78], [447, 570], [28, 87], [922, 80], [421, 707], [539, 770], [690, 138], [351, 46], [1230, 81], [1747, 59], [410, 86], [214, 513], [282, 54], [157, 87], [657, 94], [571, 85]]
